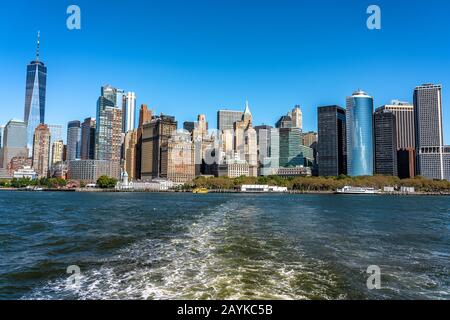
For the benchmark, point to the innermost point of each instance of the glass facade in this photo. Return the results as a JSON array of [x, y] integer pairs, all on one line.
[[227, 118], [88, 139], [74, 140], [385, 142], [332, 141], [108, 133], [35, 98], [360, 157], [14, 142], [290, 152]]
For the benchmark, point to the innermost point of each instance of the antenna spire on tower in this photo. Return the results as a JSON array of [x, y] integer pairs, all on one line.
[[38, 45]]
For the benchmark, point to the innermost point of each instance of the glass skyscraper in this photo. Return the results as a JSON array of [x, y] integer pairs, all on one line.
[[14, 142], [332, 143], [74, 140], [290, 154], [385, 126], [360, 158], [108, 133], [35, 96]]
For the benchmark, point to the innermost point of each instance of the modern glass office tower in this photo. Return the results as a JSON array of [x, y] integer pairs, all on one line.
[[88, 139], [227, 118], [108, 133], [433, 160], [332, 143], [268, 149], [360, 156], [35, 92], [290, 154], [74, 140], [385, 126], [14, 142]]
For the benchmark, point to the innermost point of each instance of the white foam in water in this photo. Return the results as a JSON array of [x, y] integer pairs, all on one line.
[[186, 267]]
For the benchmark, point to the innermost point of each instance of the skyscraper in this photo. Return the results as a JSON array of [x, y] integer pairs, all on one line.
[[290, 152], [227, 118], [88, 139], [404, 115], [309, 138], [360, 158], [41, 150], [268, 149], [263, 139], [108, 133], [245, 141], [293, 119], [432, 160], [155, 137], [55, 135], [406, 139], [284, 122], [227, 144], [203, 144], [297, 118], [35, 93], [14, 142], [129, 147], [128, 111], [189, 126], [145, 116], [406, 163], [385, 142], [57, 154], [73, 140], [179, 152], [332, 141]]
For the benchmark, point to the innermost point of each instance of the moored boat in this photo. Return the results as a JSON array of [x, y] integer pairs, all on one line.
[[357, 190]]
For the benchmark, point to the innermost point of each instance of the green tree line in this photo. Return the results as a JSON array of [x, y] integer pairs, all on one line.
[[49, 183], [321, 184]]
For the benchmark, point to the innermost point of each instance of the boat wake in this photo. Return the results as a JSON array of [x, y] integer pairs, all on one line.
[[210, 260]]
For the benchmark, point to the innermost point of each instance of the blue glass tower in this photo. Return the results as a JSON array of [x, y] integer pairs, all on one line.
[[35, 96], [360, 157]]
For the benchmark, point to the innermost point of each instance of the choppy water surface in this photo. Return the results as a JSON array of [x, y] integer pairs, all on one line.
[[236, 246]]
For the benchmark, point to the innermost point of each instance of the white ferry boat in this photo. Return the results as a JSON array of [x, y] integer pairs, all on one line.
[[357, 190]]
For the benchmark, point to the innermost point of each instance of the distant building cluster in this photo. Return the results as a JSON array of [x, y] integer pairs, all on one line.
[[400, 139]]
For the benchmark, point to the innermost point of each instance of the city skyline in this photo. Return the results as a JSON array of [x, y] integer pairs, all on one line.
[[309, 77]]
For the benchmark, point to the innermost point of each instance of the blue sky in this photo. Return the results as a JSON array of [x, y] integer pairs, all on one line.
[[189, 57]]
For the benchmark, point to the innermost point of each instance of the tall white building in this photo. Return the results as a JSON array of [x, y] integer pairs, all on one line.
[[128, 111], [297, 118], [433, 158]]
